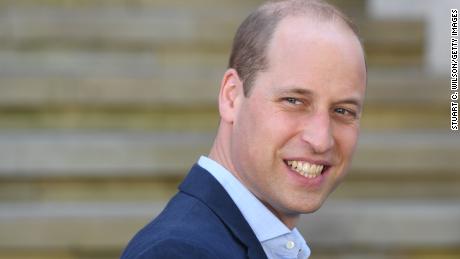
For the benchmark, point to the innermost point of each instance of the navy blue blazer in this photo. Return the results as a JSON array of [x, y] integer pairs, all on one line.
[[201, 221]]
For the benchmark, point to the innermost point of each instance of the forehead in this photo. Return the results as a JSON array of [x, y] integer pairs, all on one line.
[[310, 28], [306, 51]]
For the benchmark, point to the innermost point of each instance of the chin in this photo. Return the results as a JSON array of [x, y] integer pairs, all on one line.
[[310, 208], [307, 207]]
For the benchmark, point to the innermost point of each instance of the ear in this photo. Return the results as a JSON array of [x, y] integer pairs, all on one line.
[[231, 91]]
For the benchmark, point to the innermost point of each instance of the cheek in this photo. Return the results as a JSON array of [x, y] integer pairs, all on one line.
[[346, 138], [260, 132], [274, 129], [247, 135]]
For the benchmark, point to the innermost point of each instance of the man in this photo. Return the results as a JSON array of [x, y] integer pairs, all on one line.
[[290, 105]]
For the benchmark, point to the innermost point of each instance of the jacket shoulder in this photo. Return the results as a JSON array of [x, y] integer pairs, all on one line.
[[173, 248], [186, 228]]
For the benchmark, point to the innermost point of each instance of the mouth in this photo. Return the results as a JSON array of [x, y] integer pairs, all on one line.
[[306, 169]]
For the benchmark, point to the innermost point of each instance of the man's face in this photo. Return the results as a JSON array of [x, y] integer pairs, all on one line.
[[293, 137]]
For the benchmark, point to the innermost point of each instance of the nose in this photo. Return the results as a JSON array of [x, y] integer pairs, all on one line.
[[317, 132]]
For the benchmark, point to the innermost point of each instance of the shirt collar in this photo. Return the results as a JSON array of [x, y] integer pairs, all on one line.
[[254, 211]]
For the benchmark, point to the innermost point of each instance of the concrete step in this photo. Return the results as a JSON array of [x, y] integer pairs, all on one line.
[[339, 225], [150, 188], [199, 119], [35, 154], [101, 79], [351, 4], [130, 91], [140, 3], [99, 154], [90, 189], [155, 26], [108, 63], [390, 224], [88, 79], [418, 153], [393, 42], [410, 86], [414, 116], [78, 226], [170, 28]]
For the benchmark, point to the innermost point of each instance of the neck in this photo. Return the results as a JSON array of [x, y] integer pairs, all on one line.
[[290, 220], [220, 151]]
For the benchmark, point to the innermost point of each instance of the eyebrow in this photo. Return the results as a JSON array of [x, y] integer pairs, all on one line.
[[353, 101], [295, 90]]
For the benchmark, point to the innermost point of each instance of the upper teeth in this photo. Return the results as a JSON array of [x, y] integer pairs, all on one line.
[[306, 169]]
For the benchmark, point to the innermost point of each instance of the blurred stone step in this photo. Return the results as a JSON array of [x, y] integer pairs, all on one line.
[[409, 116], [82, 78], [415, 253], [90, 189], [149, 188], [414, 153], [360, 186], [35, 154], [393, 42], [137, 3], [339, 224], [198, 119], [108, 79], [406, 87], [75, 64], [111, 24], [387, 224], [350, 4], [114, 92], [162, 28], [99, 154], [71, 225]]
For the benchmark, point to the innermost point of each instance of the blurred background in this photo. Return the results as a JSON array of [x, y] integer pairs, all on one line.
[[105, 105]]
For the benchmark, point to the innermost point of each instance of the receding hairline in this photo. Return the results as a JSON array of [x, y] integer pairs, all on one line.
[[313, 27], [269, 16], [314, 30], [316, 9], [331, 17]]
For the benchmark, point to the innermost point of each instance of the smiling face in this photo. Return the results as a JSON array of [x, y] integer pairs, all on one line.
[[291, 140]]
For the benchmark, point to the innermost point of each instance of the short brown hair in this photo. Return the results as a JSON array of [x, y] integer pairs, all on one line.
[[248, 56]]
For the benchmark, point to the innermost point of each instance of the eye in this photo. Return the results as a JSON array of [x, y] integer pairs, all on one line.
[[345, 112], [293, 100]]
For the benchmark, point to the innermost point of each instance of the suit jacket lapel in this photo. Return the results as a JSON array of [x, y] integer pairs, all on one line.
[[203, 186]]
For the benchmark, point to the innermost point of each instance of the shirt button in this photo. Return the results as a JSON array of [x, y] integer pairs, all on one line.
[[290, 245]]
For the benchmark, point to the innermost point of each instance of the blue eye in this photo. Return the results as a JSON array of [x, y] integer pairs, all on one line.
[[341, 110], [292, 100], [346, 112]]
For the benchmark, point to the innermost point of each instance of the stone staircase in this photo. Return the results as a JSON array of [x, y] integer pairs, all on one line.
[[104, 105]]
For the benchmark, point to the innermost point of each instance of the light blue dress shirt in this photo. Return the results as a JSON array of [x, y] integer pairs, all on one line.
[[277, 240]]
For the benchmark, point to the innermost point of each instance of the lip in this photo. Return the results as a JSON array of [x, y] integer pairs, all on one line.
[[311, 183]]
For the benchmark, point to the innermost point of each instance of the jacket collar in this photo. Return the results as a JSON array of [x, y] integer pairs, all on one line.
[[202, 185]]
